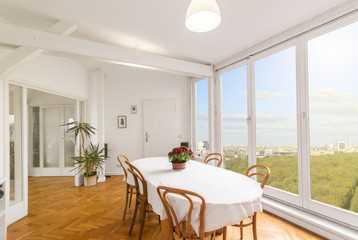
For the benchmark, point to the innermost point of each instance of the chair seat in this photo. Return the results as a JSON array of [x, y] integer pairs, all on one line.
[[189, 232]]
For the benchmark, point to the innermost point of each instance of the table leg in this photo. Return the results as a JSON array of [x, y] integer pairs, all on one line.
[[166, 231]]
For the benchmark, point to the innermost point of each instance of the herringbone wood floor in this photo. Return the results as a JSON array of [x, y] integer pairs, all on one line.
[[58, 210]]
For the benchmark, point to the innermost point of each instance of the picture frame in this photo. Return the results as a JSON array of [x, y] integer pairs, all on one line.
[[122, 121], [133, 109]]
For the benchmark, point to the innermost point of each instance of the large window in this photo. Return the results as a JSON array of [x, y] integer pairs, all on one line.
[[276, 124], [294, 108], [333, 107], [202, 116], [234, 116]]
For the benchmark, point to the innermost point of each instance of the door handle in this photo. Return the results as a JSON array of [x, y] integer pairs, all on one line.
[[146, 137]]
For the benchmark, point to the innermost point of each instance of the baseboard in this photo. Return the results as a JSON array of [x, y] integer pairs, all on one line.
[[311, 222], [114, 174]]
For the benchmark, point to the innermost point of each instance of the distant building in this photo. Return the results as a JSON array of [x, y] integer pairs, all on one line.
[[342, 146], [202, 145]]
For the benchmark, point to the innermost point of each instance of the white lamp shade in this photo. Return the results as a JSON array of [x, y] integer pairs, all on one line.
[[202, 16]]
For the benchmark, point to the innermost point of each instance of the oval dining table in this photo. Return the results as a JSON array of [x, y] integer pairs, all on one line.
[[230, 197]]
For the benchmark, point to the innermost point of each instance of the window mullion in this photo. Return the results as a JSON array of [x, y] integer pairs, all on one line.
[[251, 112]]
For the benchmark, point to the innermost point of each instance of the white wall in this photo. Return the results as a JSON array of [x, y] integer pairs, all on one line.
[[59, 75], [39, 98], [126, 86]]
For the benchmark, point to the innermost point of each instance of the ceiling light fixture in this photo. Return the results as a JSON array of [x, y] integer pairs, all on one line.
[[202, 15]]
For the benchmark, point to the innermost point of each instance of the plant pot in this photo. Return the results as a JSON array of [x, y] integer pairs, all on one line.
[[178, 165], [90, 181]]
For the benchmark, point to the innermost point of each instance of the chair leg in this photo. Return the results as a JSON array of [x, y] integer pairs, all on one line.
[[254, 232], [142, 212], [130, 200], [125, 206], [224, 233], [134, 216], [241, 230]]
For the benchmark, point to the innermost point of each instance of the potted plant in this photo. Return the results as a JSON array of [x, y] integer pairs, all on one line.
[[90, 159], [179, 156]]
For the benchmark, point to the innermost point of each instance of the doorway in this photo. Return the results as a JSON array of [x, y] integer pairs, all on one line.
[[51, 151]]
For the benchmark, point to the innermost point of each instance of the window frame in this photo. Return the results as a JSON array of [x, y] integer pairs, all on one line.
[[331, 211], [193, 82]]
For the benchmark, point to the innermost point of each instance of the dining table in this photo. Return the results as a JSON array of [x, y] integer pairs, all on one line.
[[230, 197]]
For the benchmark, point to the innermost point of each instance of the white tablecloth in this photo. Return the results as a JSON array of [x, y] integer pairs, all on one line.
[[230, 197]]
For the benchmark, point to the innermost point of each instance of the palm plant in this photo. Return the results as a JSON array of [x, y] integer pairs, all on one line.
[[91, 158]]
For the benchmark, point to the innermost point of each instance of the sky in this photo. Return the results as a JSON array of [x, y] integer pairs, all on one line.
[[333, 95]]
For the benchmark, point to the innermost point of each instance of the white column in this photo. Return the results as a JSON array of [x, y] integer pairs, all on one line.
[[95, 110]]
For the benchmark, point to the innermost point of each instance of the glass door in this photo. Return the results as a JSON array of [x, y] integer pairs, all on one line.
[[15, 143], [51, 151], [16, 154]]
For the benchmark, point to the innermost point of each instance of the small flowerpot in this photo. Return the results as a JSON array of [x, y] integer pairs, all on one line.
[[90, 181], [178, 165]]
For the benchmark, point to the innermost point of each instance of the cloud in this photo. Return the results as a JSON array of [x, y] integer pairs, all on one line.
[[335, 109], [270, 118], [202, 117], [261, 94], [276, 127], [234, 117], [243, 132], [331, 95]]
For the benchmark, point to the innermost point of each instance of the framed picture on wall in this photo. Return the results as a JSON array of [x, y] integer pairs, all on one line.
[[133, 109], [122, 121]]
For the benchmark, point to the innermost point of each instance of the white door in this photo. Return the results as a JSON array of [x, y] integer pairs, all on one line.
[[50, 151], [160, 126]]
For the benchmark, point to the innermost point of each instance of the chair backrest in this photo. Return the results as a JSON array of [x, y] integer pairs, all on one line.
[[214, 157], [183, 229], [140, 182], [266, 175], [121, 159]]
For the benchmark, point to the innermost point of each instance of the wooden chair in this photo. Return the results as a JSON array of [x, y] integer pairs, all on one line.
[[214, 157], [141, 198], [184, 229], [130, 188], [252, 219]]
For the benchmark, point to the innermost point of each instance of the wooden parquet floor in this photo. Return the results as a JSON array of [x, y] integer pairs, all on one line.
[[58, 210]]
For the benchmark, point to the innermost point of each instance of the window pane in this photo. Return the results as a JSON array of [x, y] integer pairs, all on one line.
[[202, 120], [15, 129], [333, 96], [69, 138], [234, 114], [51, 121], [276, 124], [36, 136]]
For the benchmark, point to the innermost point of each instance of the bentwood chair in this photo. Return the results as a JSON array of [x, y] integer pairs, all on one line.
[[214, 157], [141, 198], [259, 170], [130, 189], [183, 229]]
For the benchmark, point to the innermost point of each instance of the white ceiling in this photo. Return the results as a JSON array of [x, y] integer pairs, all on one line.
[[157, 26]]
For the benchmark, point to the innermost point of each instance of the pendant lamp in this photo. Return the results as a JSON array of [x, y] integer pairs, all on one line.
[[202, 15]]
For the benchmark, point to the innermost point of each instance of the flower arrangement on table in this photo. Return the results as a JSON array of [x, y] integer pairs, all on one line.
[[180, 155]]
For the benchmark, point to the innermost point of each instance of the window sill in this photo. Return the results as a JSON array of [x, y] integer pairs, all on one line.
[[313, 223]]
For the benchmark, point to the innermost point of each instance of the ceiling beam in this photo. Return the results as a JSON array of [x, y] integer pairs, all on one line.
[[19, 36], [17, 58]]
